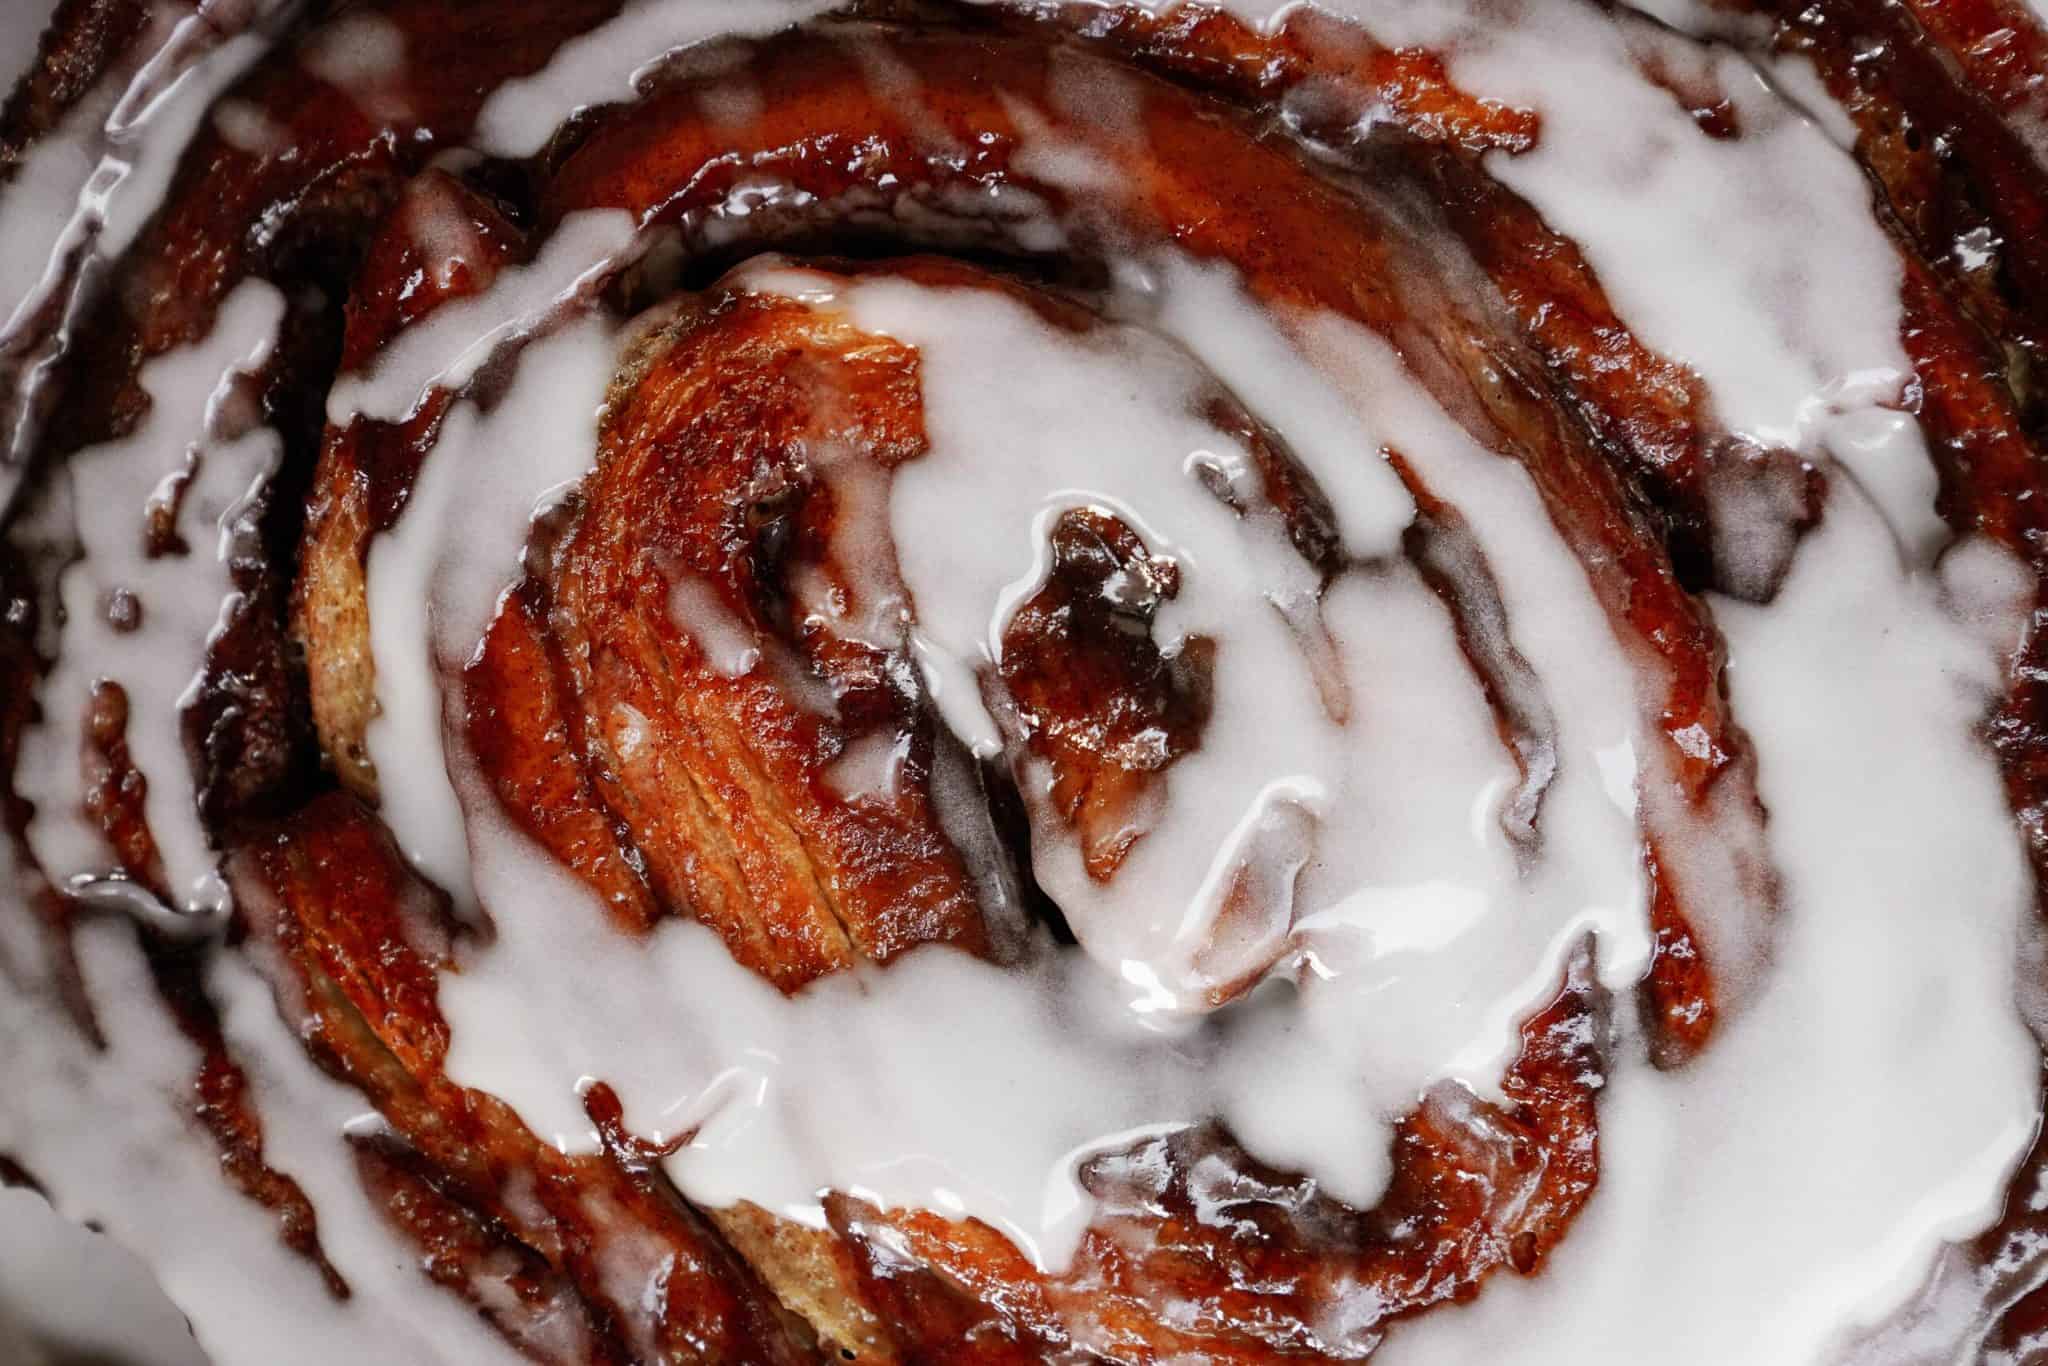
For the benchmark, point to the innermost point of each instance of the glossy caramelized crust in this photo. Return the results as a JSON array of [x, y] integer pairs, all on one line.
[[718, 805], [722, 793], [676, 785]]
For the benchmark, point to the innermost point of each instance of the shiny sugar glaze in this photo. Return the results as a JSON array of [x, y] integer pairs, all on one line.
[[980, 682]]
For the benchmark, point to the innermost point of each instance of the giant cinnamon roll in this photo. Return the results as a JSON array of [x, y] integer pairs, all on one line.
[[923, 681]]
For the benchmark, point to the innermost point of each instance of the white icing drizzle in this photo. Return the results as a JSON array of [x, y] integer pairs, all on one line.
[[726, 641], [87, 189], [1872, 1099], [1865, 1103], [363, 55], [69, 1294], [186, 451], [610, 62], [1040, 1069], [114, 1134], [434, 580], [1755, 261], [1416, 975], [305, 1114], [446, 349]]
